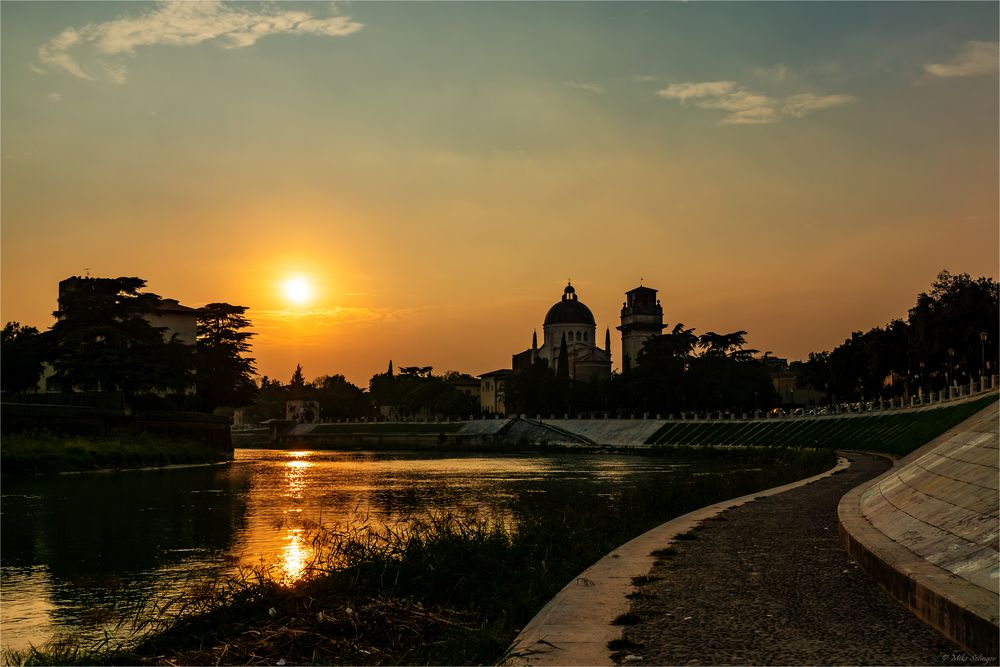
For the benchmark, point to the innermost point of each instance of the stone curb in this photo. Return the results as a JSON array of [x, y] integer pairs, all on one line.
[[574, 627], [958, 609]]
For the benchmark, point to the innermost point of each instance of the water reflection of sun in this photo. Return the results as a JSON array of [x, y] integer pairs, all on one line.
[[296, 553], [295, 556]]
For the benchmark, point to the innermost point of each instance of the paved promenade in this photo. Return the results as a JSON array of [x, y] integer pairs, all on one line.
[[769, 583]]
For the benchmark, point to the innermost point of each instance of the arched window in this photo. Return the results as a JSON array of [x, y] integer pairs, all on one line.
[[585, 337]]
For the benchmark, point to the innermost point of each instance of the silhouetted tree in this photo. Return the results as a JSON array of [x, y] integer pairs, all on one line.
[[338, 398], [224, 374], [659, 381], [939, 342], [562, 367], [951, 317], [22, 349], [102, 339], [269, 402], [534, 390], [297, 384]]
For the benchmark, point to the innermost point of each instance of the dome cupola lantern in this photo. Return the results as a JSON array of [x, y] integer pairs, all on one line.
[[569, 310]]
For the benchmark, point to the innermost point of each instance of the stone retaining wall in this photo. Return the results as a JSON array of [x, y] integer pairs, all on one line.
[[928, 531]]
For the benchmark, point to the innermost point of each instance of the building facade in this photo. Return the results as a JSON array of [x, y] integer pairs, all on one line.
[[491, 392]]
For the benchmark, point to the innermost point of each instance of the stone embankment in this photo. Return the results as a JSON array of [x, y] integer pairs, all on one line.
[[614, 432], [770, 583], [928, 529]]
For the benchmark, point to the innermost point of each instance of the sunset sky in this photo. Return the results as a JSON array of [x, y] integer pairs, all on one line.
[[433, 173]]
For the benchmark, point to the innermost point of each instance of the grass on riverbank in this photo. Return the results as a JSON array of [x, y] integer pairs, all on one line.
[[897, 433], [445, 590], [48, 452]]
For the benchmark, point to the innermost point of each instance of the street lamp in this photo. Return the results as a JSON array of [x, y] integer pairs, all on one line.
[[951, 366]]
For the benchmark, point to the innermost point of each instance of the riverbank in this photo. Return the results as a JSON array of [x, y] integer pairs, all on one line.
[[449, 590], [48, 452]]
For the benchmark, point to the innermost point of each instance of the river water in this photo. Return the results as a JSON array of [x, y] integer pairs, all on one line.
[[74, 545]]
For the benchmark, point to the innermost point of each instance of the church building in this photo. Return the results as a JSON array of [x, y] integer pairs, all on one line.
[[570, 320]]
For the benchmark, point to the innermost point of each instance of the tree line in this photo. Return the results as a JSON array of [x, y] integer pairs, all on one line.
[[949, 337], [104, 339], [411, 392]]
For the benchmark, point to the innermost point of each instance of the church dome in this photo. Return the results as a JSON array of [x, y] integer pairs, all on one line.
[[569, 311]]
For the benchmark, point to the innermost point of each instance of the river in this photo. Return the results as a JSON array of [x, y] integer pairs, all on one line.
[[73, 546]]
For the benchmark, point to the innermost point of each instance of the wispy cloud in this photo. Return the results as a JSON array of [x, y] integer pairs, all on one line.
[[746, 107], [589, 87], [55, 97], [777, 73], [973, 59], [798, 106], [684, 91], [96, 51], [643, 78]]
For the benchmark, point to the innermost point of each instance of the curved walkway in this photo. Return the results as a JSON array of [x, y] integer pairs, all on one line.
[[769, 583], [574, 628]]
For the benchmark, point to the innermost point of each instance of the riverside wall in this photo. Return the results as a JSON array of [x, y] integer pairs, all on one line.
[[207, 428], [927, 530]]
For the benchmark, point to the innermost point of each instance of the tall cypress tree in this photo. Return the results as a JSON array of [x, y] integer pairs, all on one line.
[[562, 371]]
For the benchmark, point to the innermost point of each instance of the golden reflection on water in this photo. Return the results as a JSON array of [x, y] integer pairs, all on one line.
[[295, 556], [297, 552]]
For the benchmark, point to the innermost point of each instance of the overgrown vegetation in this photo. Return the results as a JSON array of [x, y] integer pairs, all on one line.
[[47, 452], [891, 433], [444, 590]]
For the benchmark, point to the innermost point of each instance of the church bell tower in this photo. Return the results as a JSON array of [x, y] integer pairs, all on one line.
[[642, 317]]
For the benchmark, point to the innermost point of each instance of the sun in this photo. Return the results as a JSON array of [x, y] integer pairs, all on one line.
[[297, 290]]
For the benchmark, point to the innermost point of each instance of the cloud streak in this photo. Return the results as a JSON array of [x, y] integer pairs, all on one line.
[[973, 59], [97, 51], [589, 87], [745, 107]]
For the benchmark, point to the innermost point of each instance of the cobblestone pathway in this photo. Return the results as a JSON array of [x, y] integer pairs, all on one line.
[[768, 583]]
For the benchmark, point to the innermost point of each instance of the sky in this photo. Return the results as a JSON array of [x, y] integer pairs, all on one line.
[[434, 173]]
